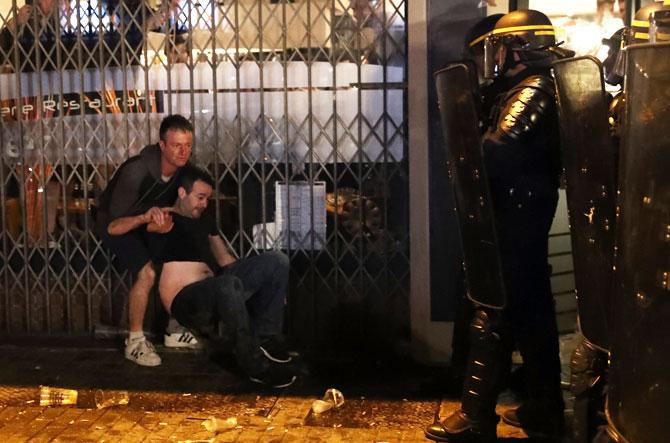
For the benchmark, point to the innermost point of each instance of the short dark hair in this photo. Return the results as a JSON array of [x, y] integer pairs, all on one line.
[[190, 174], [176, 122]]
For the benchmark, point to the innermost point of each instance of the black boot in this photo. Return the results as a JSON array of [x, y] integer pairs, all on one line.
[[588, 368], [458, 427], [476, 421], [605, 436]]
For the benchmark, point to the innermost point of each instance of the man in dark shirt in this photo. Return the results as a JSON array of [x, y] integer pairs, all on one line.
[[201, 283], [141, 186]]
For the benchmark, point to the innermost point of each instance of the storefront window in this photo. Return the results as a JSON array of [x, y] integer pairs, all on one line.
[[299, 114]]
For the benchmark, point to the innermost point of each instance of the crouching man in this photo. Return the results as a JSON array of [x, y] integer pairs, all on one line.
[[201, 283]]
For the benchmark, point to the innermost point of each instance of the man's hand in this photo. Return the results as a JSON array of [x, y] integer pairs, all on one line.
[[22, 16], [161, 229], [220, 251], [156, 215], [159, 220], [156, 219]]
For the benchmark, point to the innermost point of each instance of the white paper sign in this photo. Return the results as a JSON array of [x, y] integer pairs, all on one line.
[[300, 215]]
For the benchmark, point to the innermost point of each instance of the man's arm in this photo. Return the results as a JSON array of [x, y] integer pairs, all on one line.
[[126, 191], [159, 220], [527, 109], [220, 251]]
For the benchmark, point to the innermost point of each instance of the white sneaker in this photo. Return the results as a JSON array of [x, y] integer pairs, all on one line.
[[182, 338], [142, 352]]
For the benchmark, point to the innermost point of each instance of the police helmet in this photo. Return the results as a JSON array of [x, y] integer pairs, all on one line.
[[531, 29], [526, 32], [474, 38], [651, 23]]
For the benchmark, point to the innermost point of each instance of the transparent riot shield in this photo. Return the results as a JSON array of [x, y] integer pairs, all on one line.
[[462, 140], [590, 162], [638, 403]]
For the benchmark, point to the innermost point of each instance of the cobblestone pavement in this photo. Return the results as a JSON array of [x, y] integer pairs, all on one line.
[[177, 401]]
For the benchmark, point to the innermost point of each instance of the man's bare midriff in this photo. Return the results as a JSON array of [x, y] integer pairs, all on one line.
[[178, 274]]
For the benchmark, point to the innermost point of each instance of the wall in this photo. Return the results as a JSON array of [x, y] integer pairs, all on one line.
[[449, 21], [436, 30]]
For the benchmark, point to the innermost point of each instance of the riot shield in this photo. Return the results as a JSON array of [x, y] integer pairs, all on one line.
[[590, 162], [462, 140], [638, 403]]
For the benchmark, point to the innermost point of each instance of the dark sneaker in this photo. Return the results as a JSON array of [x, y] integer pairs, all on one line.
[[275, 376], [536, 420], [458, 427], [276, 350]]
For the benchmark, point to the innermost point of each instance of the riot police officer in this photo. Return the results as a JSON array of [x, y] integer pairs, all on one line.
[[592, 191], [590, 156], [487, 90], [639, 372], [522, 162], [650, 23]]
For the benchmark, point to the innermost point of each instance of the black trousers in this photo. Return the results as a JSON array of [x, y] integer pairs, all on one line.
[[247, 296], [529, 318]]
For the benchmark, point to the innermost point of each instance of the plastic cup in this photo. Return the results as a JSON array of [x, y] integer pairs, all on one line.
[[106, 399], [50, 396], [333, 398]]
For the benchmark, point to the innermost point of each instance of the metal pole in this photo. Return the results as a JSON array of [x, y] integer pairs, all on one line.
[[630, 10], [518, 4]]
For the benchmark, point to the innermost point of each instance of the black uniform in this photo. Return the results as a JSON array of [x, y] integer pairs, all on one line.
[[521, 160], [523, 166]]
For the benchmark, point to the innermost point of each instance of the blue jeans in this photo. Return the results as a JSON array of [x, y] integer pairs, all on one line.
[[248, 296]]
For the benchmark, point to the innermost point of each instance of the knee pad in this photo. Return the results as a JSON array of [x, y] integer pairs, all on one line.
[[587, 366], [485, 327]]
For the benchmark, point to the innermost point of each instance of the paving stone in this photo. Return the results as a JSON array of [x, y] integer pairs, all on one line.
[[23, 425], [167, 424], [82, 424], [387, 435], [169, 403], [56, 426]]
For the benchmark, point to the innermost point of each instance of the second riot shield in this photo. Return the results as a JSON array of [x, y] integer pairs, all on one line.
[[590, 162], [462, 140], [638, 400]]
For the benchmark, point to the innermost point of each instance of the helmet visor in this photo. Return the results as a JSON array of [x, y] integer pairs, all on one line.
[[494, 57], [619, 67]]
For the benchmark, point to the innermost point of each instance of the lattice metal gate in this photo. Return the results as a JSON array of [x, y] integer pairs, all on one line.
[[299, 110]]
